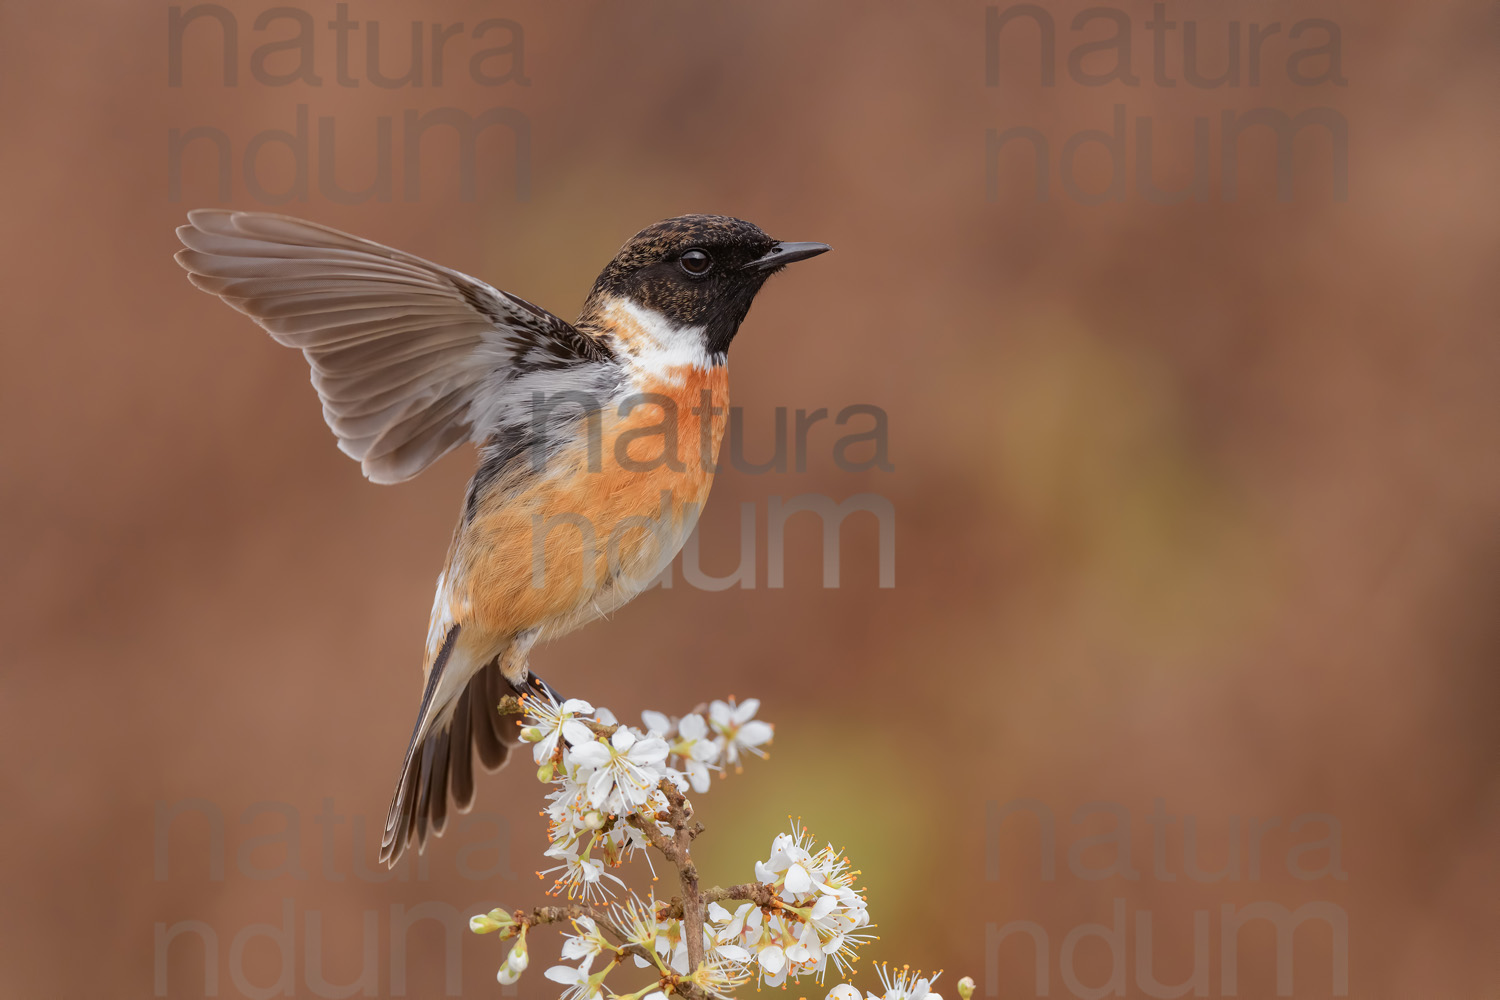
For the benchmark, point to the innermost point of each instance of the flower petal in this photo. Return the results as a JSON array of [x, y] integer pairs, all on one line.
[[576, 732], [754, 733], [564, 974], [649, 751], [734, 953], [772, 959], [590, 754], [601, 783], [798, 880]]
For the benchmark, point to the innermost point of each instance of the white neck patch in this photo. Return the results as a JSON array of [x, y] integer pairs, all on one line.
[[655, 344]]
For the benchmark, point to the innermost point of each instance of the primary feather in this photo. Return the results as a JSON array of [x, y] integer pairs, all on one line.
[[410, 359]]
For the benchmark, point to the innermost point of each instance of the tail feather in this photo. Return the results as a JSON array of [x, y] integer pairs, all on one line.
[[424, 793], [442, 762], [461, 765], [487, 725], [439, 761], [401, 819]]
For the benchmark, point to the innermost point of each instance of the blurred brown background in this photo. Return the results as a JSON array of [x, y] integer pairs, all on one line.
[[1194, 502]]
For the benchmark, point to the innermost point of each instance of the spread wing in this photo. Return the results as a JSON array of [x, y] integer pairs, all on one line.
[[410, 359]]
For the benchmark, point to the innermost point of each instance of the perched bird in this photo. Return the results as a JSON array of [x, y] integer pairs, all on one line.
[[597, 439]]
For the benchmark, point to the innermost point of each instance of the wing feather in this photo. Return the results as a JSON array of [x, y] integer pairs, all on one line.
[[408, 357]]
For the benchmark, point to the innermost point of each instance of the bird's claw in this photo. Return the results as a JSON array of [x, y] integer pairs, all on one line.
[[535, 685]]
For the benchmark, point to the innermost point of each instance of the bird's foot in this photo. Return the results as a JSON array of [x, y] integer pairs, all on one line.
[[534, 685]]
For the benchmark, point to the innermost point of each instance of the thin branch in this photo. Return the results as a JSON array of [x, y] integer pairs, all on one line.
[[693, 906], [666, 847], [677, 850], [749, 892], [572, 911]]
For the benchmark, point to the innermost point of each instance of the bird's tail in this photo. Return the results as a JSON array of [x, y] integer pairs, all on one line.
[[440, 758]]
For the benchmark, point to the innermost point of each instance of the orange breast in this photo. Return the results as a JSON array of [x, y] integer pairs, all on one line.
[[595, 528]]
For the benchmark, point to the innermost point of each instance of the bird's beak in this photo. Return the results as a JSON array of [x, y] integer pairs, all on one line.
[[786, 253]]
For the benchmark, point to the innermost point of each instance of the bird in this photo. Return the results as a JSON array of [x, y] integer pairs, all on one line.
[[597, 439]]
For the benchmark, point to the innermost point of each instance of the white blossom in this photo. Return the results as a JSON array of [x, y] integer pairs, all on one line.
[[623, 771], [737, 728], [696, 750], [718, 975], [580, 985], [554, 721], [582, 877], [822, 918], [908, 984], [584, 946], [658, 724], [636, 918]]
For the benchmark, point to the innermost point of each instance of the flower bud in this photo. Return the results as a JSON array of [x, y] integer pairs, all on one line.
[[594, 819], [531, 734], [843, 991], [483, 924], [519, 957], [966, 987], [545, 772]]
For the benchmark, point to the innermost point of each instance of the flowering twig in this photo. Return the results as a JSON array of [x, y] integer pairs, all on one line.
[[758, 893], [576, 911], [618, 789]]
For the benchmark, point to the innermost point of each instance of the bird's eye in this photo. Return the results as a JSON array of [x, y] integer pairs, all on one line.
[[696, 262]]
